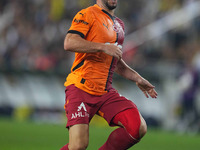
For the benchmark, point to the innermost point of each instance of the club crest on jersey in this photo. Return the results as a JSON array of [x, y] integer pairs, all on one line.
[[81, 112], [116, 26]]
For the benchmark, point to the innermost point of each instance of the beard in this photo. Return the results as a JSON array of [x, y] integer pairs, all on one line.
[[110, 7]]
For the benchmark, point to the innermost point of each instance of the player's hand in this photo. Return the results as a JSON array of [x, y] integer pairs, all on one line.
[[147, 88], [113, 50]]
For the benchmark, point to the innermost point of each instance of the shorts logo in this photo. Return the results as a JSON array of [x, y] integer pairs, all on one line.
[[80, 113], [81, 106]]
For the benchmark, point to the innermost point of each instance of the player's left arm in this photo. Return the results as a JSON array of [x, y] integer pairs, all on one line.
[[125, 71]]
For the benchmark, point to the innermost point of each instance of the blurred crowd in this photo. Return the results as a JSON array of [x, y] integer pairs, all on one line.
[[32, 32]]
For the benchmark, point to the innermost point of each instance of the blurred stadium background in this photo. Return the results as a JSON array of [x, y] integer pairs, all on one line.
[[162, 43]]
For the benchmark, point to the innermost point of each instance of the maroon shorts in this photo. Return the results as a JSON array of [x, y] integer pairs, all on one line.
[[80, 106]]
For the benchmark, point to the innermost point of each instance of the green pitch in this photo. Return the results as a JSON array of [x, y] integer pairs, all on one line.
[[33, 136]]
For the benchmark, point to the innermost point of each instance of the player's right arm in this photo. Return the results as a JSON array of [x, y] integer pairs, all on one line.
[[75, 43]]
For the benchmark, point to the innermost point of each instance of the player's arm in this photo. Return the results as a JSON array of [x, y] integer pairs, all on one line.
[[75, 43], [125, 71]]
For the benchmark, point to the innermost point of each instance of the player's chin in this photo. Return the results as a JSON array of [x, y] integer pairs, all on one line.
[[111, 7], [114, 5]]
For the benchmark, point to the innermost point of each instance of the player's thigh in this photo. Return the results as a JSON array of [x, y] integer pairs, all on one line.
[[113, 105], [79, 136]]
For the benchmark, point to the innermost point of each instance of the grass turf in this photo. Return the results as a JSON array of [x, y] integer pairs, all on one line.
[[16, 135]]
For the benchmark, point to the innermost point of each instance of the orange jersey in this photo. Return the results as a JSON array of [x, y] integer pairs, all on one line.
[[92, 72]]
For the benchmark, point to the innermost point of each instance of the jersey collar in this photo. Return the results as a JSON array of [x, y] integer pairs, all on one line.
[[112, 17]]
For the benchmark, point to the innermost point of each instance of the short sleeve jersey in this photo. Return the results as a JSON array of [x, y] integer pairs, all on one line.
[[92, 72]]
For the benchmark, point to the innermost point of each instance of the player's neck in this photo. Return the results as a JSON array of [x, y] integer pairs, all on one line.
[[111, 12]]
